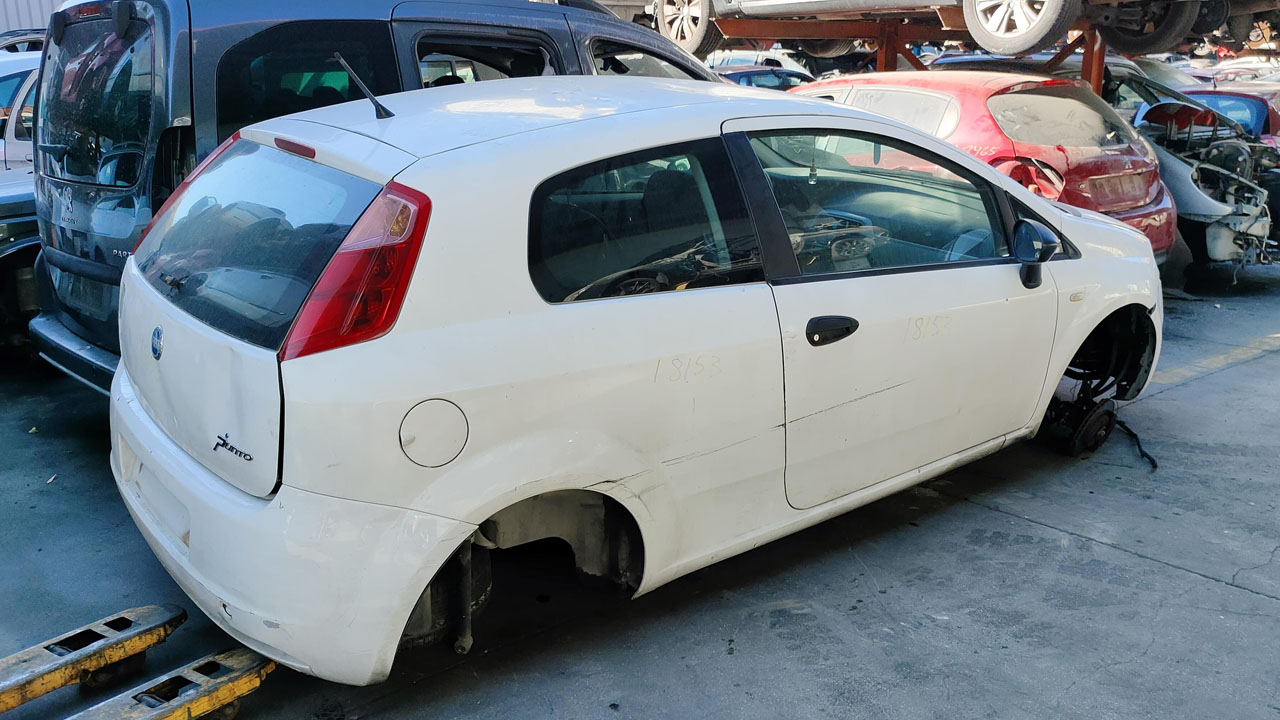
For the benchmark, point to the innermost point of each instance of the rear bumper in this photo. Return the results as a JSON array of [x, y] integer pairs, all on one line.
[[72, 354], [320, 584], [1158, 221]]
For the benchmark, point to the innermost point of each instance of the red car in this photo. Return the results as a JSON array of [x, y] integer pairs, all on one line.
[[1052, 135]]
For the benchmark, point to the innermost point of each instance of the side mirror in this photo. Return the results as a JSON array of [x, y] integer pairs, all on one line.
[[1033, 245]]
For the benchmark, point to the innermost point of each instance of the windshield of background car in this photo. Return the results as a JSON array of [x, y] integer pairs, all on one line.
[[9, 85], [1053, 115], [95, 103], [246, 241]]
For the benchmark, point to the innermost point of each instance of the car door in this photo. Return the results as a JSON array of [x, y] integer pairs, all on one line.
[[19, 130], [908, 336]]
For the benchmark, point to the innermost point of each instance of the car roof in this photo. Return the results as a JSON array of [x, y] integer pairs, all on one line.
[[737, 69], [210, 15], [440, 119], [1029, 63], [953, 81], [17, 62]]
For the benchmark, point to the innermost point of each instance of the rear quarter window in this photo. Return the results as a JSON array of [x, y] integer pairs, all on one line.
[[655, 221], [242, 246], [932, 113]]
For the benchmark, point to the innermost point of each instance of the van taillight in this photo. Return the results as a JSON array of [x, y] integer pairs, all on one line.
[[182, 186], [359, 294]]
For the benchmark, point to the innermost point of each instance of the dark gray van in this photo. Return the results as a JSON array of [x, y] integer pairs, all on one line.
[[133, 93]]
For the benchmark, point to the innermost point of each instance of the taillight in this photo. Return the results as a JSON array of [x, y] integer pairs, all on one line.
[[1035, 175], [359, 294], [182, 186]]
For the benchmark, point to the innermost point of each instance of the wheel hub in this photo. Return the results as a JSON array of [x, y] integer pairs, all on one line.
[[1009, 18]]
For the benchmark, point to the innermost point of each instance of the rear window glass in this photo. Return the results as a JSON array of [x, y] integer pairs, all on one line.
[[243, 245], [290, 68], [934, 114], [1066, 115], [95, 103]]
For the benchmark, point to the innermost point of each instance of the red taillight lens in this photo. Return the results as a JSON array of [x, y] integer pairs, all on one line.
[[1035, 175], [359, 294], [182, 186]]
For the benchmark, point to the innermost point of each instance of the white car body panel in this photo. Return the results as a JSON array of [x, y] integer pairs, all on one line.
[[614, 396]]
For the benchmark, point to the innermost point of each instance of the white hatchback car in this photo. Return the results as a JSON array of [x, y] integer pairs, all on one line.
[[359, 355]]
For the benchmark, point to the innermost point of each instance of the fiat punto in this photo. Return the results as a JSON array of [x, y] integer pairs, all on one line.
[[362, 355]]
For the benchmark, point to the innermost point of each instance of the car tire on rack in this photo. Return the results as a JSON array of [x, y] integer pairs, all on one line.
[[1170, 22], [688, 24], [828, 48], [1019, 27]]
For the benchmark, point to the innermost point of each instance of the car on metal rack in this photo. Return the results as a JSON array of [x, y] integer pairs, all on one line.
[[135, 93], [1052, 135], [326, 524], [1014, 27]]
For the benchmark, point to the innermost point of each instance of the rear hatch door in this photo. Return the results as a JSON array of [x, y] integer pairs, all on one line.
[[218, 280], [108, 87]]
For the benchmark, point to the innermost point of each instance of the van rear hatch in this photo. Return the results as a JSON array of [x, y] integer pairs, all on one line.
[[217, 282]]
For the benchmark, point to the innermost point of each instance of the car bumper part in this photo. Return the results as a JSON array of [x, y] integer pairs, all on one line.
[[72, 354], [317, 583]]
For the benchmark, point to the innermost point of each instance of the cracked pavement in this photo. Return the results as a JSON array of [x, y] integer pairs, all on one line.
[[1026, 585]]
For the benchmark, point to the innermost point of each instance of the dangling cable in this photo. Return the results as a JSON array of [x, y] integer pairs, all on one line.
[[1146, 455]]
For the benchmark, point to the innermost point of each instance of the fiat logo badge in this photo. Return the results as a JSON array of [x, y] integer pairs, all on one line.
[[157, 342]]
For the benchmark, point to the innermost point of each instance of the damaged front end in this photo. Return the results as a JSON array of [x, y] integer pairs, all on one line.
[[1217, 175]]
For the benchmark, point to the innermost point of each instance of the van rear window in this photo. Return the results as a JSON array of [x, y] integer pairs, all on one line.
[[95, 103], [242, 246]]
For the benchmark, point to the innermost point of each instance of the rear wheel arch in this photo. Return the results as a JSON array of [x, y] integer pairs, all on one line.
[[603, 535]]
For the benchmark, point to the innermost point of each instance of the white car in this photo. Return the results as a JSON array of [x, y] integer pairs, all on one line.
[[360, 355]]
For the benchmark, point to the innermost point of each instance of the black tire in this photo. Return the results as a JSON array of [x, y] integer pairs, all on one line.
[[1213, 15], [1170, 28], [688, 24], [828, 48], [1241, 28], [1054, 20]]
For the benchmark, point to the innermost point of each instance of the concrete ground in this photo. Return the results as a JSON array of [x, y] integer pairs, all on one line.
[[1024, 586]]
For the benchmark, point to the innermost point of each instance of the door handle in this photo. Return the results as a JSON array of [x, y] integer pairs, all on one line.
[[826, 329]]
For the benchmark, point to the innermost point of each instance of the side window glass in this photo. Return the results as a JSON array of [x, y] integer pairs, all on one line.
[[611, 58], [855, 202], [655, 221], [290, 68], [26, 112], [450, 61]]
